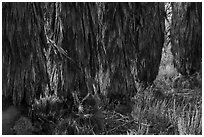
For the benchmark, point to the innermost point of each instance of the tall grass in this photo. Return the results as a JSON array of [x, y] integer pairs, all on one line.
[[167, 117]]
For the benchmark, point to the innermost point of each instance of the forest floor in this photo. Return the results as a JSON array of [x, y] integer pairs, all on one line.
[[169, 108]]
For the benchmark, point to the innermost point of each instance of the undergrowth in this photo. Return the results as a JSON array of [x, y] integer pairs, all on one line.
[[172, 105]]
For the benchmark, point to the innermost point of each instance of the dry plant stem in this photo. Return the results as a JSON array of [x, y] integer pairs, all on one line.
[[127, 122]]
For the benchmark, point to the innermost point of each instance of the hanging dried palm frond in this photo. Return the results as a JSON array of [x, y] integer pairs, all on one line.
[[80, 34], [186, 36], [150, 41], [133, 32], [23, 40]]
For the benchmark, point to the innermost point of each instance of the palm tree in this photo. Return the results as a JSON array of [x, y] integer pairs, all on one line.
[[186, 36]]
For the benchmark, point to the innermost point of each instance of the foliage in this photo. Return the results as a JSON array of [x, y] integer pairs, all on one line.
[[190, 123]]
